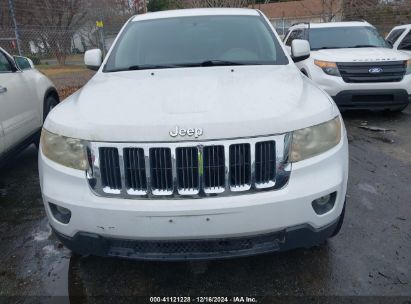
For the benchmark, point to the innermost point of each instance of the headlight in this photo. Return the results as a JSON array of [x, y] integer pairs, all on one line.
[[329, 68], [315, 140], [408, 67], [66, 151]]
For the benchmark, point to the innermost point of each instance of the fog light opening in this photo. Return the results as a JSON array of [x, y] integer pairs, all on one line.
[[61, 214], [325, 203]]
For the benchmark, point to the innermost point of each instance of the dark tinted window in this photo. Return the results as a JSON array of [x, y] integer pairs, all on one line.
[[22, 62], [296, 34], [4, 64], [406, 43], [285, 35], [190, 40], [345, 37], [394, 35]]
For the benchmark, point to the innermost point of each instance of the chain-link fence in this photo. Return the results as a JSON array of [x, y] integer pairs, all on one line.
[[58, 35], [283, 24], [56, 45], [384, 17], [61, 30]]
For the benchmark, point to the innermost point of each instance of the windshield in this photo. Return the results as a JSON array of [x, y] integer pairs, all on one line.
[[195, 41], [345, 37]]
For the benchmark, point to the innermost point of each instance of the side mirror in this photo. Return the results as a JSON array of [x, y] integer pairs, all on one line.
[[23, 63], [93, 59], [300, 50]]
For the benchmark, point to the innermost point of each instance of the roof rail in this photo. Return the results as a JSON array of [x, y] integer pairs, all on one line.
[[309, 28], [298, 23]]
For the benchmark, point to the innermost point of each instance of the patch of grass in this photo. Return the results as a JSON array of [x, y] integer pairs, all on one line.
[[51, 70], [66, 92]]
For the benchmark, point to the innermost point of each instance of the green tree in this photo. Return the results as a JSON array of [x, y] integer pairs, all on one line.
[[158, 5]]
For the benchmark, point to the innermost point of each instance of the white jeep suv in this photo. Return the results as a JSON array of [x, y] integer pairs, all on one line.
[[26, 97], [400, 38], [197, 138], [354, 64]]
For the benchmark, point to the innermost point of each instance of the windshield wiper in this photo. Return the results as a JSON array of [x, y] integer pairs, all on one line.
[[219, 63], [361, 46], [209, 63], [144, 67], [325, 48]]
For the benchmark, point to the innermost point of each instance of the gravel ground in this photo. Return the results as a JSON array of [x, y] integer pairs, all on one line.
[[370, 257]]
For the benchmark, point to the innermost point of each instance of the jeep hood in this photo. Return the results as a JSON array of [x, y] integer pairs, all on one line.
[[359, 55], [226, 102]]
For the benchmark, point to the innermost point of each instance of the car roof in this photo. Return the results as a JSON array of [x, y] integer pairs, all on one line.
[[404, 26], [331, 24], [197, 12]]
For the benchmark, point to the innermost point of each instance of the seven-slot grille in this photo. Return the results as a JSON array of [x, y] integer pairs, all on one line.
[[141, 171], [135, 169], [214, 168], [188, 178], [265, 162], [161, 170], [240, 165], [110, 168], [359, 72]]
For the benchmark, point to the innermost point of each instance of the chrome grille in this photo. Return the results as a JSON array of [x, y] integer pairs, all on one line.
[[110, 168], [135, 170], [240, 166], [189, 169], [265, 162], [188, 178], [214, 168], [161, 171]]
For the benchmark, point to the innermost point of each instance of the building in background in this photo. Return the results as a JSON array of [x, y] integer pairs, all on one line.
[[283, 14]]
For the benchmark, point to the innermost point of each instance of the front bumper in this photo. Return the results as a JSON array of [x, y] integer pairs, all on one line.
[[372, 99], [373, 95], [184, 220], [198, 249]]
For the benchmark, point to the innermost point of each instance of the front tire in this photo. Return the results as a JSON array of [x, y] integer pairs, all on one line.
[[49, 104]]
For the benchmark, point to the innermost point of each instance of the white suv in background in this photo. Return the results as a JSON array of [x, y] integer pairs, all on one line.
[[197, 138], [400, 38], [26, 97], [354, 64]]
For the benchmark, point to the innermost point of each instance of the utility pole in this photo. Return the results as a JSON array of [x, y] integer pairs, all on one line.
[[16, 31], [100, 26]]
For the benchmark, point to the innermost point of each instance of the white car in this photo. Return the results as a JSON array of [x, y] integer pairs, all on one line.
[[354, 64], [198, 138], [400, 38], [26, 97]]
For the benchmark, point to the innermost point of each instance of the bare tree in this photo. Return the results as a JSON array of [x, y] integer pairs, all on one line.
[[382, 14], [330, 9], [54, 21], [217, 3]]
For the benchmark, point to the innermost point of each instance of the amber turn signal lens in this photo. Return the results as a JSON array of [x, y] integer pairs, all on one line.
[[325, 64]]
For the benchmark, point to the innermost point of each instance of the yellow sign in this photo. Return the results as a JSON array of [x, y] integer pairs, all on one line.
[[99, 24]]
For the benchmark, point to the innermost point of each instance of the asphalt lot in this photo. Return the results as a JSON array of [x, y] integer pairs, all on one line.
[[370, 257]]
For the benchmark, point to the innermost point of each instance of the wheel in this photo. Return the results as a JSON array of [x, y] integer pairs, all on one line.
[[340, 223], [50, 102]]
